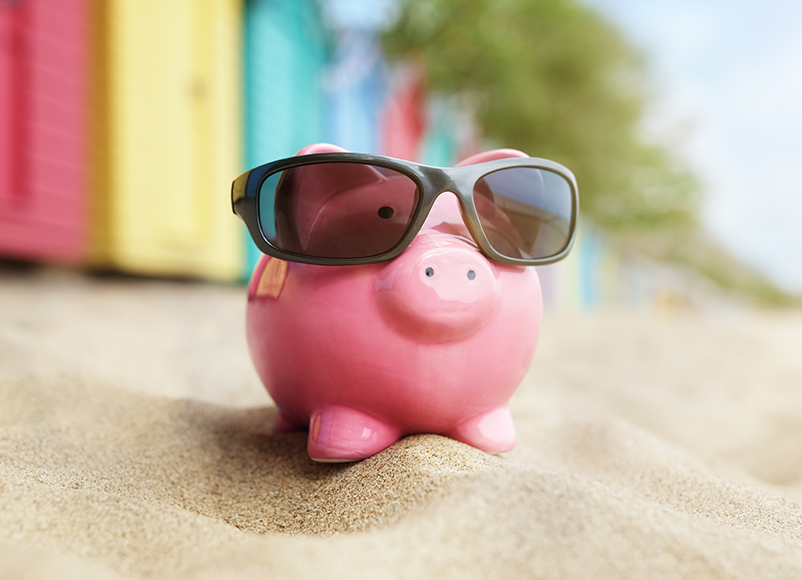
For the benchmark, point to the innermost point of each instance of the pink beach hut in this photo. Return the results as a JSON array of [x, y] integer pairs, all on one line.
[[403, 123], [43, 70]]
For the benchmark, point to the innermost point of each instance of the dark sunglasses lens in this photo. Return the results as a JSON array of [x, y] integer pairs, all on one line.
[[336, 210], [525, 212]]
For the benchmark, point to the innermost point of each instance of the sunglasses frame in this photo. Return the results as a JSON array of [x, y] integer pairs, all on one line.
[[431, 182]]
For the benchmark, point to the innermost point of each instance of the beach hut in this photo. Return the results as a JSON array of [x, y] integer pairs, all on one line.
[[166, 92], [285, 49], [403, 123], [43, 129], [355, 83]]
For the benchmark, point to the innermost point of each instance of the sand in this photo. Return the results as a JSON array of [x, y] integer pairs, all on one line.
[[135, 443]]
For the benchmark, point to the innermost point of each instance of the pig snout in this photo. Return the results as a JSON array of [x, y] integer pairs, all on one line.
[[438, 290]]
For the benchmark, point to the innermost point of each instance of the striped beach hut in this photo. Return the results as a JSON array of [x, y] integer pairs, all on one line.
[[43, 134], [285, 49]]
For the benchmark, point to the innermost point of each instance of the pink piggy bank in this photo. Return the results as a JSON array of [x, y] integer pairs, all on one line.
[[435, 340]]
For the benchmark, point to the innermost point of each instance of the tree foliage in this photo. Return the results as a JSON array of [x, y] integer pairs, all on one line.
[[554, 79]]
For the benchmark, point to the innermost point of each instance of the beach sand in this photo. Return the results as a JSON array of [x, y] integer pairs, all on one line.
[[135, 443]]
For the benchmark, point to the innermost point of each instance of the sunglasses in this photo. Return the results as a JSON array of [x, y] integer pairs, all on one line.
[[351, 208]]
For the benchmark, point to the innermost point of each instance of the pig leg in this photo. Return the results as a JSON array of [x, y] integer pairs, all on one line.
[[491, 431], [338, 434]]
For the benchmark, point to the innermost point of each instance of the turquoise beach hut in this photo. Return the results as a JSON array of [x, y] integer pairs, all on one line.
[[286, 48]]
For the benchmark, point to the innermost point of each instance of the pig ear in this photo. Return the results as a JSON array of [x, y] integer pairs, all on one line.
[[350, 174], [491, 156], [320, 148], [320, 184]]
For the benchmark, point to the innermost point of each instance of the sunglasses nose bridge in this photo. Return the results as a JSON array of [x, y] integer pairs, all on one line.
[[449, 180], [434, 181], [440, 181], [457, 210]]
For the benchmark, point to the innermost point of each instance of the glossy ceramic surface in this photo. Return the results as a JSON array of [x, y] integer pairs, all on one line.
[[434, 341]]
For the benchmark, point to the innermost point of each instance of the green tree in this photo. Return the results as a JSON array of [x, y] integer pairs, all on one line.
[[554, 79]]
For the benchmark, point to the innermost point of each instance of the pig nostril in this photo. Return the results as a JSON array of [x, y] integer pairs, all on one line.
[[471, 274], [386, 212], [429, 272]]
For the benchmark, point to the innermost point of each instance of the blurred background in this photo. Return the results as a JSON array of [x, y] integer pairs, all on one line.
[[122, 125]]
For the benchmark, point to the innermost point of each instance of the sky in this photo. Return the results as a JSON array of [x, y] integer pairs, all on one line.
[[727, 77]]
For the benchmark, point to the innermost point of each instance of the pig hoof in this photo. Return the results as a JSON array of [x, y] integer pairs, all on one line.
[[338, 434], [492, 431]]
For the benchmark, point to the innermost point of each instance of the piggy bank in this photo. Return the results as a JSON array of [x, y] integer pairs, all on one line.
[[433, 341]]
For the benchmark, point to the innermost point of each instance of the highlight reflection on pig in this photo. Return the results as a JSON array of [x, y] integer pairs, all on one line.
[[434, 341]]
